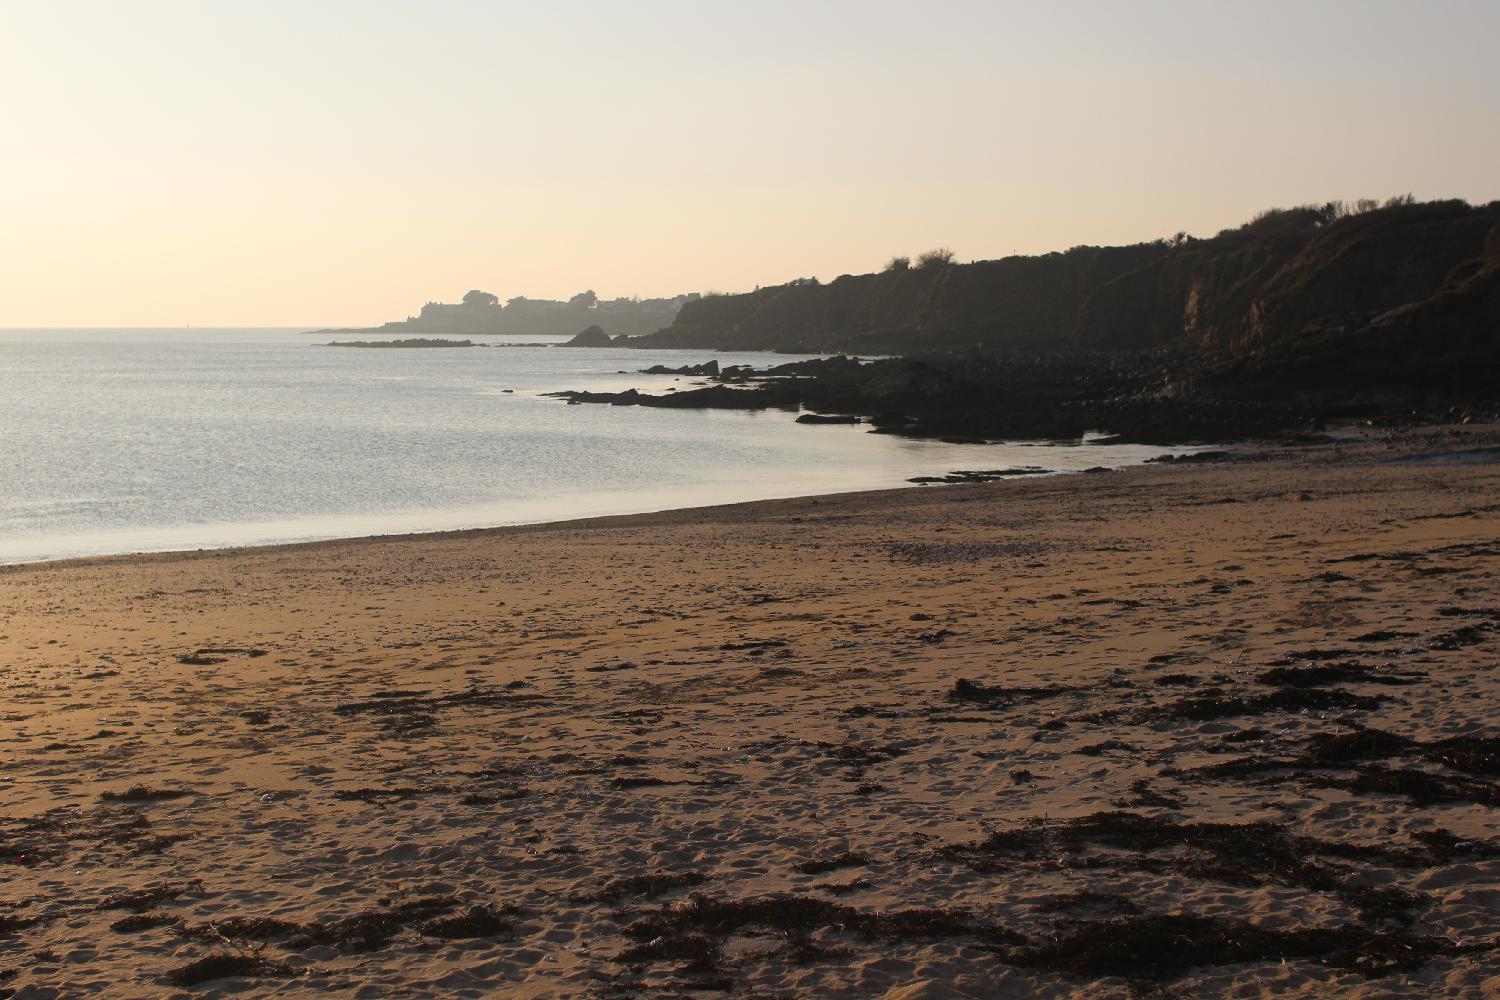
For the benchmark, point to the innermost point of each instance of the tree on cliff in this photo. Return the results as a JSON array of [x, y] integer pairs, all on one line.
[[478, 298], [898, 264], [937, 257], [587, 300]]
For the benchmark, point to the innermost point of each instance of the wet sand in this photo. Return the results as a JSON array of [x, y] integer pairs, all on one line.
[[1215, 730]]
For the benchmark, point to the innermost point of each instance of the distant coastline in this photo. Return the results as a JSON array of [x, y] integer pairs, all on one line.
[[408, 343], [482, 314]]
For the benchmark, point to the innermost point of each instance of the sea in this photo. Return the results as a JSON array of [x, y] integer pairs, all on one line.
[[141, 440]]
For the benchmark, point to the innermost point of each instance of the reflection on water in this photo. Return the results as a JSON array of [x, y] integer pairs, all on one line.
[[139, 440]]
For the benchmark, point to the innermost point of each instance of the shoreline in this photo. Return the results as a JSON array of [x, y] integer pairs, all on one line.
[[580, 521], [895, 744]]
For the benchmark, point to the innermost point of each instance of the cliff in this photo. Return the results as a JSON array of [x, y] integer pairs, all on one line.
[[1401, 276]]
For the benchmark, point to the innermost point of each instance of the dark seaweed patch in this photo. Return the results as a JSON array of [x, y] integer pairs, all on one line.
[[1178, 680], [1477, 755], [144, 921], [1104, 746], [1328, 674], [477, 921], [1237, 853], [1158, 948], [46, 838], [1087, 899], [967, 690], [244, 929], [370, 930], [143, 793], [1470, 754], [1468, 635], [1419, 786], [648, 886], [1311, 655], [753, 644], [628, 781], [1384, 635], [401, 713], [10, 923], [695, 930], [1144, 796], [221, 965], [820, 866], [856, 759], [383, 795], [489, 798], [141, 900], [1204, 708]]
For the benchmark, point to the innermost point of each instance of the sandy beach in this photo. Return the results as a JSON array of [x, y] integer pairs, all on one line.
[[1208, 730]]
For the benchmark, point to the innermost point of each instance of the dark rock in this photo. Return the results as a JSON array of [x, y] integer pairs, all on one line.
[[707, 368], [819, 418], [594, 336]]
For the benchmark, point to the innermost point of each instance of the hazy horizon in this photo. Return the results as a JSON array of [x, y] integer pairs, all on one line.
[[173, 163]]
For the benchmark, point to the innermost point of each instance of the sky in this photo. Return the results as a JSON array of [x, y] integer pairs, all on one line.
[[340, 162]]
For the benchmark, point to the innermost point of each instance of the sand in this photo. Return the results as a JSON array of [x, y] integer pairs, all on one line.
[[1219, 730]]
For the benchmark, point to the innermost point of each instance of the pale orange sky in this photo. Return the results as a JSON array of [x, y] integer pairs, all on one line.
[[165, 162]]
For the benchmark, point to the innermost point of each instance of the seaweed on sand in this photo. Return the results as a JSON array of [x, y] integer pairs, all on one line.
[[1475, 755], [1156, 948], [508, 793], [695, 930], [403, 712], [477, 921], [144, 793], [244, 929], [1328, 674], [940, 553], [366, 930], [1419, 786], [47, 837], [383, 795], [855, 758], [1324, 750], [820, 866], [143, 922], [221, 965], [1237, 853], [141, 900], [628, 781], [198, 659], [1468, 635], [1086, 899], [10, 923], [1210, 706], [1470, 754], [1146, 796], [967, 690], [649, 885], [373, 929]]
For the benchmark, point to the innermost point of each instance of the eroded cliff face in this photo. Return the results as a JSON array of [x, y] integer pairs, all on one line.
[[1286, 278]]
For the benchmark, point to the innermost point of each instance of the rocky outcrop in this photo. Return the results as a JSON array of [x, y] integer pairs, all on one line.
[[1161, 396], [594, 336], [709, 367]]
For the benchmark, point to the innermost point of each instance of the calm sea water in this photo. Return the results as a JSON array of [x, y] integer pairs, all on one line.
[[117, 441]]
